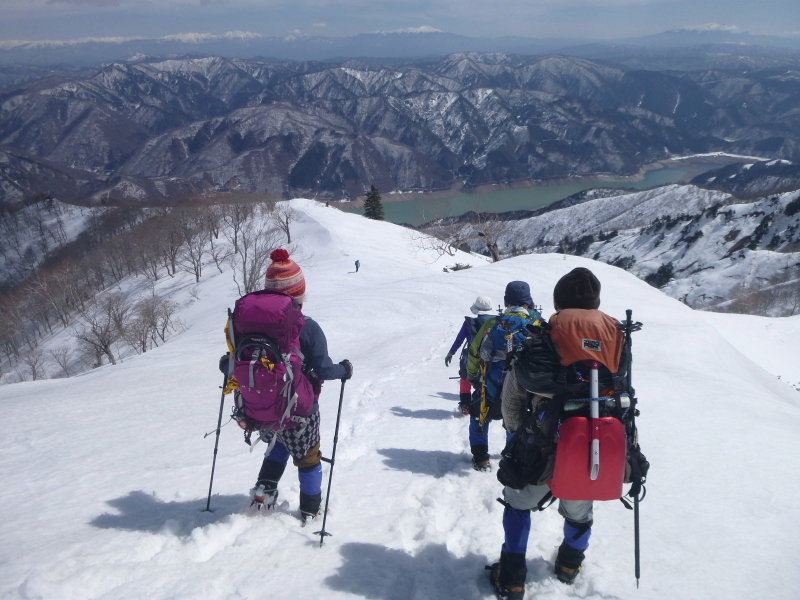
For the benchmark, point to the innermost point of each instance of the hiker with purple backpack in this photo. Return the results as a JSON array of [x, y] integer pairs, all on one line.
[[261, 370]]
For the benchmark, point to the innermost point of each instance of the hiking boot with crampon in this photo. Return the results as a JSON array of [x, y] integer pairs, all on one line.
[[565, 574], [262, 498], [484, 464], [306, 517], [501, 591]]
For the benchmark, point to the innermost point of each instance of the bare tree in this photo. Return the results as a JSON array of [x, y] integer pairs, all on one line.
[[97, 330], [488, 229], [235, 216], [62, 356], [283, 216], [447, 237], [195, 245], [256, 241], [33, 360]]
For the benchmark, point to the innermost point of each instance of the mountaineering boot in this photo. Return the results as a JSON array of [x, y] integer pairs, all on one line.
[[264, 495], [464, 402], [484, 465], [568, 563], [566, 574], [309, 506], [505, 590], [480, 457]]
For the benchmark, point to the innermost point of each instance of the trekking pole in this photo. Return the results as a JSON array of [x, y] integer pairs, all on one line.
[[631, 392], [322, 533], [216, 443]]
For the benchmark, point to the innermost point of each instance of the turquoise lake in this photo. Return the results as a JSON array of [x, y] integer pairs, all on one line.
[[417, 211]]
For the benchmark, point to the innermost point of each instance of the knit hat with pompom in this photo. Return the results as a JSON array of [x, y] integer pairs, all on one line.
[[284, 275]]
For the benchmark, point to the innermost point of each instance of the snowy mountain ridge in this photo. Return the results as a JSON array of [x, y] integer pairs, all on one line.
[[169, 128], [703, 247], [118, 465]]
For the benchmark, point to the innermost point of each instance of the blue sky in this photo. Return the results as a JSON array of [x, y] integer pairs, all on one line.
[[594, 19]]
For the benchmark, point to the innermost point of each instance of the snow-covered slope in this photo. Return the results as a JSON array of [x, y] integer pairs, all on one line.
[[105, 475], [695, 244]]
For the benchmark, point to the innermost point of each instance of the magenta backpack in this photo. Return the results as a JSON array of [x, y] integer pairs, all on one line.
[[274, 393]]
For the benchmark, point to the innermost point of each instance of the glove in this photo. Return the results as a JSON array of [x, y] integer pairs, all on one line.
[[348, 367], [447, 359], [223, 363]]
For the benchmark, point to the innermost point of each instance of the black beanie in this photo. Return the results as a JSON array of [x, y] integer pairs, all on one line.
[[577, 289]]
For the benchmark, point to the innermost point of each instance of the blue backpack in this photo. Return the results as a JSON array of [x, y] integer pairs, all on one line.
[[503, 339]]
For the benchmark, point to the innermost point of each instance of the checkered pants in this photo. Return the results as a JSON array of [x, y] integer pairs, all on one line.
[[299, 440]]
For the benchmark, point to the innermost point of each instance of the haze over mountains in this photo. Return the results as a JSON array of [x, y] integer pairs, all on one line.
[[413, 43]]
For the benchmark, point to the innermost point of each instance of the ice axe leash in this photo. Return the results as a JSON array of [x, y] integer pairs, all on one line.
[[216, 443], [322, 533]]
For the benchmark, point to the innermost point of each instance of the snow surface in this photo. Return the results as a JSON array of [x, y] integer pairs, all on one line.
[[105, 475]]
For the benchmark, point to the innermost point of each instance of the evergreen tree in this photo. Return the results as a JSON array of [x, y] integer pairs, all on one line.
[[373, 209]]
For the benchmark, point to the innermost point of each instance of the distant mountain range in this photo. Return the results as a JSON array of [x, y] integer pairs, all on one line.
[[155, 130], [698, 43]]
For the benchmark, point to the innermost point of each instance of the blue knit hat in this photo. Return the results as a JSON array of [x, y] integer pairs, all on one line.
[[518, 292]]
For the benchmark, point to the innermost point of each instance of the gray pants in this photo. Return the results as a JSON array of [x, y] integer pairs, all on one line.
[[578, 511]]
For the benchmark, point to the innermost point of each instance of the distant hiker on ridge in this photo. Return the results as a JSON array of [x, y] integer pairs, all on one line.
[[486, 365], [482, 309], [296, 436]]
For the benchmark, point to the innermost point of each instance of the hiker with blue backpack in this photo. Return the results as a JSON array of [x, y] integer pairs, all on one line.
[[496, 340], [276, 389], [554, 386], [482, 309]]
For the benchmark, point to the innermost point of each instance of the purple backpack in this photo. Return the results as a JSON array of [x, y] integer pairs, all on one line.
[[274, 393]]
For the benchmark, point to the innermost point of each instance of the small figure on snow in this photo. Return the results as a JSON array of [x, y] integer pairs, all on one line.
[[482, 309], [358, 264]]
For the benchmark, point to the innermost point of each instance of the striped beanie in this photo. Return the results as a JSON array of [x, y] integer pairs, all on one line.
[[284, 275]]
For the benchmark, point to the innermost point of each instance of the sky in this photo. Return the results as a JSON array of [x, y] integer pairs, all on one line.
[[583, 19]]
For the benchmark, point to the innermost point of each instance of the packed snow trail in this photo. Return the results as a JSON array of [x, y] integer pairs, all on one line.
[[105, 475]]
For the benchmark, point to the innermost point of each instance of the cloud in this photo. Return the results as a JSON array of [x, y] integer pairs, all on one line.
[[88, 2], [320, 24], [712, 27], [421, 29], [186, 38]]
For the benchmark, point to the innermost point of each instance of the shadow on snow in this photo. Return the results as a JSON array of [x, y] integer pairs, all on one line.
[[374, 571], [139, 511], [381, 573], [434, 414], [446, 396], [436, 463]]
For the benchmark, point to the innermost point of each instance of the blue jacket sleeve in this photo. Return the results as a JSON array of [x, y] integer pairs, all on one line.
[[314, 347], [462, 335]]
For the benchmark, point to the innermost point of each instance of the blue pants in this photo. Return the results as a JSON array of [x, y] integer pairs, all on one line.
[[517, 528], [577, 515], [310, 479], [476, 436]]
